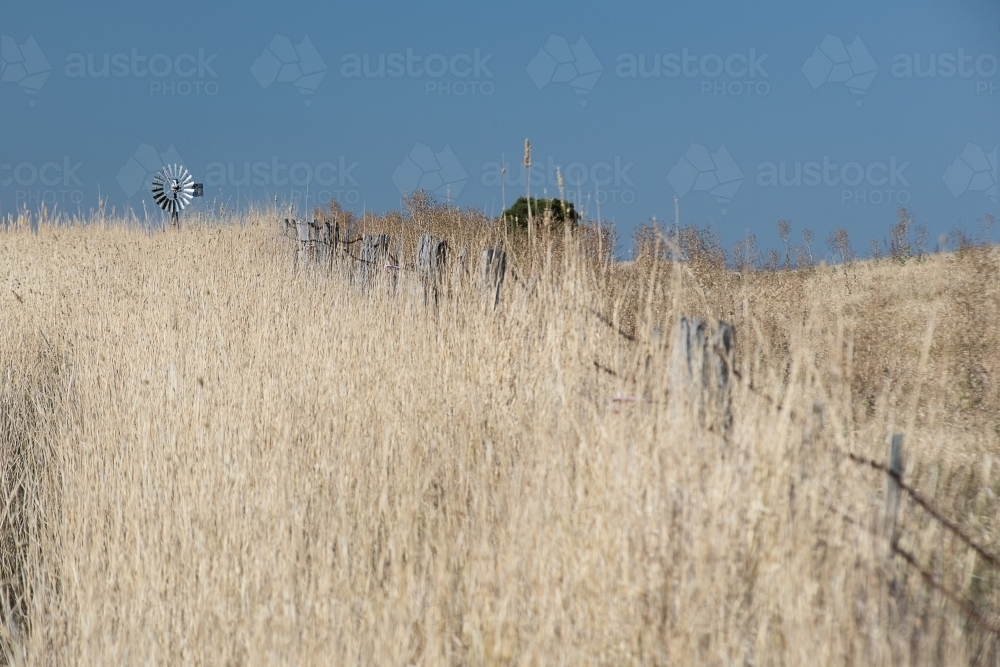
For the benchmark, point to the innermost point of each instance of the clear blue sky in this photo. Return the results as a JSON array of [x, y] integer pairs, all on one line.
[[748, 112]]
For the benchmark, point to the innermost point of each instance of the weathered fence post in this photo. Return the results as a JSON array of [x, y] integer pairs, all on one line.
[[330, 236], [811, 429], [892, 487], [493, 269], [316, 236], [373, 256], [432, 256], [432, 253], [700, 367], [397, 262], [307, 239], [322, 242], [333, 229]]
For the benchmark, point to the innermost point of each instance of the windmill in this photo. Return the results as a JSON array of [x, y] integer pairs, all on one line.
[[173, 188]]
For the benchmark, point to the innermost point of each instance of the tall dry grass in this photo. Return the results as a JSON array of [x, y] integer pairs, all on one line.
[[210, 454]]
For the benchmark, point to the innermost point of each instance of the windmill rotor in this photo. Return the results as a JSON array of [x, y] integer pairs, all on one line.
[[174, 188]]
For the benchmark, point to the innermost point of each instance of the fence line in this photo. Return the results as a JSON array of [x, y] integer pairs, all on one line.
[[896, 477], [321, 240], [894, 486], [931, 581], [703, 361]]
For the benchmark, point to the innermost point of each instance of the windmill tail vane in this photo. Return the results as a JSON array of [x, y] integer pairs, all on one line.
[[173, 188]]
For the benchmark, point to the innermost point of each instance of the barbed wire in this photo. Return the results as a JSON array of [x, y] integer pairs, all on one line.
[[393, 264], [930, 579], [926, 505]]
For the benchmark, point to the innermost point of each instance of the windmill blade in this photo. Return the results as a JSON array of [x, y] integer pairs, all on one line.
[[186, 191]]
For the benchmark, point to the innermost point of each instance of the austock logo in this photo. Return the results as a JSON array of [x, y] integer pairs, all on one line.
[[877, 182], [974, 170], [184, 74], [836, 62], [457, 74], [310, 183], [732, 75], [24, 64], [982, 68], [559, 62], [441, 173], [137, 173], [601, 181], [715, 173], [284, 62], [50, 183]]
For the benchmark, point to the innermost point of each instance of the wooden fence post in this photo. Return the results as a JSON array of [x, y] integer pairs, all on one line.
[[322, 242], [307, 241], [397, 262], [493, 269], [701, 364], [373, 256], [316, 236], [333, 235], [432, 256], [807, 452], [892, 486]]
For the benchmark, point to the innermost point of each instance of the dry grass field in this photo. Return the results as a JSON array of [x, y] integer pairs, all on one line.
[[211, 453]]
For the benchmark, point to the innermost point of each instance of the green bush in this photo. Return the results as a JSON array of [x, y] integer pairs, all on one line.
[[556, 210]]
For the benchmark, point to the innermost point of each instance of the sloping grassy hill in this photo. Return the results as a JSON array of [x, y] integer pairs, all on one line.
[[212, 454]]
